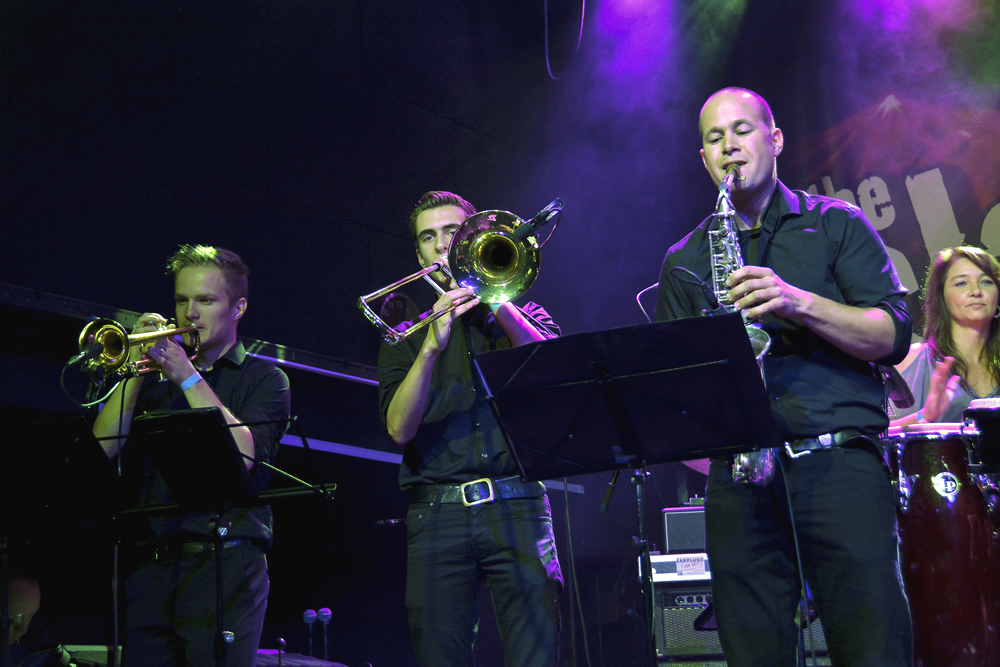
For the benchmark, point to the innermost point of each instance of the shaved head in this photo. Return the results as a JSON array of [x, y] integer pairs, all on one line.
[[765, 111]]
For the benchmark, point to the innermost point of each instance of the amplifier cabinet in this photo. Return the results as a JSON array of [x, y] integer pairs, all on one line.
[[676, 607], [684, 529], [681, 594]]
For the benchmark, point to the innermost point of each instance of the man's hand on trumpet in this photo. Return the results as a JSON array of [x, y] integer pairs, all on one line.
[[172, 359], [146, 323], [161, 351]]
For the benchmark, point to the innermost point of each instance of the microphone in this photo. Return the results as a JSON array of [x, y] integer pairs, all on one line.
[[92, 351], [522, 232], [609, 492], [281, 649], [694, 279], [309, 616], [324, 615]]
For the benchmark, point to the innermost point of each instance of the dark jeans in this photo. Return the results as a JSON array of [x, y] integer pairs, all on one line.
[[511, 544], [845, 515], [170, 606]]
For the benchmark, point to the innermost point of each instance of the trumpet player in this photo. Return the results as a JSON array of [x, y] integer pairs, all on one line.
[[170, 594], [818, 279], [470, 517]]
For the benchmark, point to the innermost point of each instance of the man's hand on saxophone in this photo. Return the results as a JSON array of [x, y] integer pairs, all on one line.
[[865, 333], [757, 290]]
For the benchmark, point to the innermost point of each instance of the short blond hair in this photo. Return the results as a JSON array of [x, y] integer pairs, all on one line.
[[234, 269]]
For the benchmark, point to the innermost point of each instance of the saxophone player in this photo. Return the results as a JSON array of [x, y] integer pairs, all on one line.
[[818, 279]]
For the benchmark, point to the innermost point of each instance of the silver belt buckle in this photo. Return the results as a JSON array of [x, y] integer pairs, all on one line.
[[490, 499]]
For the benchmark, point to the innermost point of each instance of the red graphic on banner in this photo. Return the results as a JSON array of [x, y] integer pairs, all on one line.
[[901, 138], [927, 177]]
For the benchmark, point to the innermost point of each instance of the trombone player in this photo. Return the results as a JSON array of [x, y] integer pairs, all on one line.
[[171, 591], [470, 517]]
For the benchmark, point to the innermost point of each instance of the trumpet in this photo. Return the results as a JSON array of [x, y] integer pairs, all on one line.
[[494, 253], [115, 343]]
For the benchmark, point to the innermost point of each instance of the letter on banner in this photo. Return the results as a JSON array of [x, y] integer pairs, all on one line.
[[933, 210]]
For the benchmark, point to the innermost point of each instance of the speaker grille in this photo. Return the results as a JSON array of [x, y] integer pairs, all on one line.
[[677, 640], [676, 637]]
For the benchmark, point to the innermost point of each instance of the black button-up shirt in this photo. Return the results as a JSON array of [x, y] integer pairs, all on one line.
[[458, 440], [827, 247], [254, 391]]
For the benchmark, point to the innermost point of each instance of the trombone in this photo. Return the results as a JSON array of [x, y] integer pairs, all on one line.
[[110, 344], [494, 253]]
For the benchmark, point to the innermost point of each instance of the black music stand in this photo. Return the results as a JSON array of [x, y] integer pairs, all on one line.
[[195, 452], [204, 471], [630, 397]]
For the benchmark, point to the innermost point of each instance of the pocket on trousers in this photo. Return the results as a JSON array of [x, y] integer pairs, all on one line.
[[417, 516], [864, 458]]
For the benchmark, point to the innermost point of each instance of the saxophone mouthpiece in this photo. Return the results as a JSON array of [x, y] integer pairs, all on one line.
[[733, 171]]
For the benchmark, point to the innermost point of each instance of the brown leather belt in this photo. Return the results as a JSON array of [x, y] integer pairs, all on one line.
[[477, 492]]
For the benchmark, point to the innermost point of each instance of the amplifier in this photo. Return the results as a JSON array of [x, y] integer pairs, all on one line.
[[682, 594], [677, 611], [684, 529]]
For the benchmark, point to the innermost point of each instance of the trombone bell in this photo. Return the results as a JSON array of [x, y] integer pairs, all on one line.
[[484, 256]]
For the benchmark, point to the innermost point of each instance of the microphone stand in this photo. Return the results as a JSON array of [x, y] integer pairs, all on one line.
[[646, 565]]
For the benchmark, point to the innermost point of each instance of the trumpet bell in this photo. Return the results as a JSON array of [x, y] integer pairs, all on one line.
[[485, 257], [112, 336]]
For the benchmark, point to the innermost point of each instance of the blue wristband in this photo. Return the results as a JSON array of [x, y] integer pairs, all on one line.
[[191, 381]]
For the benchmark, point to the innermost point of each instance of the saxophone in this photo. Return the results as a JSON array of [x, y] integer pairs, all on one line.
[[753, 467]]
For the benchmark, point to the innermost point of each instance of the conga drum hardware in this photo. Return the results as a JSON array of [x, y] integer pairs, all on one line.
[[984, 450], [948, 555]]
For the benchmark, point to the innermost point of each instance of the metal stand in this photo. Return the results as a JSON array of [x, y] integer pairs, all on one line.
[[639, 480], [629, 398]]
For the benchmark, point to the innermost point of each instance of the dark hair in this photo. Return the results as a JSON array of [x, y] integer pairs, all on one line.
[[768, 117], [234, 270], [937, 317], [436, 199]]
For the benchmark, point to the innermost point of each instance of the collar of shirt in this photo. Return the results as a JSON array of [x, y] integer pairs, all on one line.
[[234, 355], [783, 203]]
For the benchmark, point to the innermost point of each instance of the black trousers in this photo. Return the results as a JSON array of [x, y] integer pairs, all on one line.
[[170, 609], [844, 511], [510, 543]]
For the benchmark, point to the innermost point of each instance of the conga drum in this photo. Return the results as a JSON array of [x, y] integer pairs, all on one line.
[[945, 548], [984, 464]]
